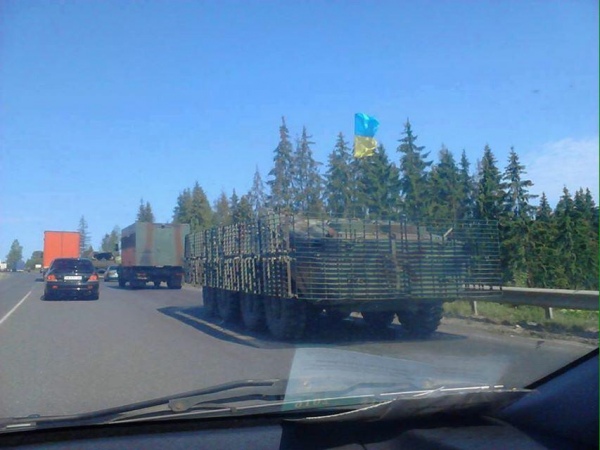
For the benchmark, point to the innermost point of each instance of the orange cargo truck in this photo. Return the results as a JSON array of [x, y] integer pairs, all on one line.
[[60, 244]]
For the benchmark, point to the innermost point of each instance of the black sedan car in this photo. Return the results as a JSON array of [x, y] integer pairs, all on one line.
[[71, 277]]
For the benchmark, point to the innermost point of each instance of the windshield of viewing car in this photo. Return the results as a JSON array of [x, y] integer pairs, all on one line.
[[350, 197]]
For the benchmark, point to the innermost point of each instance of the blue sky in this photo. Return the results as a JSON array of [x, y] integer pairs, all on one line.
[[106, 102]]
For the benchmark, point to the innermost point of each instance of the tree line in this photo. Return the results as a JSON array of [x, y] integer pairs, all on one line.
[[539, 246]]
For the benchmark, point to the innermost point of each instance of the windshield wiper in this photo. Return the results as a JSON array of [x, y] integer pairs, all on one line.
[[212, 398], [247, 397]]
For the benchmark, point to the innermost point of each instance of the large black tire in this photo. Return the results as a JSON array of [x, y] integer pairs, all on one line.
[[286, 317], [422, 321], [48, 295], [253, 311], [228, 305], [122, 283], [174, 284], [378, 320], [209, 301]]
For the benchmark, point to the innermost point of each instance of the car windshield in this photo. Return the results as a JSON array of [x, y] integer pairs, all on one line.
[[75, 265], [350, 198]]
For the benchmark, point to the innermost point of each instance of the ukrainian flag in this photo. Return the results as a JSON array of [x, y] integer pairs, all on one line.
[[365, 128]]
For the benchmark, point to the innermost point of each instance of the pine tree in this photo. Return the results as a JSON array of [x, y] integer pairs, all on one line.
[[145, 213], [256, 195], [15, 255], [109, 241], [413, 174], [543, 212], [489, 195], [466, 201], [242, 212], [222, 211], [193, 208], [565, 241], [339, 182], [281, 180], [377, 185], [541, 255], [307, 183], [585, 241], [515, 221], [445, 189], [84, 236]]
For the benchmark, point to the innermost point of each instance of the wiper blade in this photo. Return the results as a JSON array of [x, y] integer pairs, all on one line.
[[404, 405], [214, 397]]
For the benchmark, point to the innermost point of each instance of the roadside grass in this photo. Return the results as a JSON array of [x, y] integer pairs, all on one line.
[[565, 320]]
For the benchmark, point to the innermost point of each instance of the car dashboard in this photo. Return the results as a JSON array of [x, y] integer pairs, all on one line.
[[561, 412]]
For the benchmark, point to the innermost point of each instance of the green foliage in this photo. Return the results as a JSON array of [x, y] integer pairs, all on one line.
[[145, 213], [84, 235], [110, 240], [193, 208], [515, 221], [377, 186], [242, 211], [445, 189], [257, 196], [222, 211], [281, 195], [307, 183], [414, 183], [489, 195], [339, 180], [15, 254]]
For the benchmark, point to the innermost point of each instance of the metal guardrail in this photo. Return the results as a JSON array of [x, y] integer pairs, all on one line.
[[546, 298]]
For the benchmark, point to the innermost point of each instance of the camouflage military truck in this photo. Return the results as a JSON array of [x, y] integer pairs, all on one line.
[[282, 271]]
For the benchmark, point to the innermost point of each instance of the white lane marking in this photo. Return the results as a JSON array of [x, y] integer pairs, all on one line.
[[14, 308]]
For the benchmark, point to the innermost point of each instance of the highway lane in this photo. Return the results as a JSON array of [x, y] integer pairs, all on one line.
[[13, 287], [61, 357]]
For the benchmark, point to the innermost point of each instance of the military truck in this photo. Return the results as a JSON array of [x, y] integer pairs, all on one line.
[[282, 271], [152, 253]]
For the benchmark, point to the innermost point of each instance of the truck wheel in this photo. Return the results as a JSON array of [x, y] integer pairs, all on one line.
[[253, 311], [421, 322], [122, 283], [286, 317], [156, 284], [228, 305], [378, 320], [209, 301], [174, 284]]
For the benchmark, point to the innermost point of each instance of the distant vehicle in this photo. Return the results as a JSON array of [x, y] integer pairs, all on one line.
[[19, 266], [111, 273], [101, 260], [152, 252], [60, 244], [71, 277]]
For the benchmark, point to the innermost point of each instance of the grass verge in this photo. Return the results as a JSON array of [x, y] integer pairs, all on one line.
[[565, 321]]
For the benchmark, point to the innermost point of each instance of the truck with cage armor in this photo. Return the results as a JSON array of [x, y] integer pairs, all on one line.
[[281, 271]]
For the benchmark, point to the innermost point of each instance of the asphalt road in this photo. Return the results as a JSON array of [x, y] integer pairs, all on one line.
[[64, 357]]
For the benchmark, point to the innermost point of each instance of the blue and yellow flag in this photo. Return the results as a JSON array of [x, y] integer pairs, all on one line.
[[365, 128]]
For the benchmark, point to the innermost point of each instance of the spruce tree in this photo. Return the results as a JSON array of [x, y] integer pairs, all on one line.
[[413, 174], [339, 182], [378, 186], [445, 189], [280, 197], [515, 221], [256, 195], [307, 182], [489, 194]]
